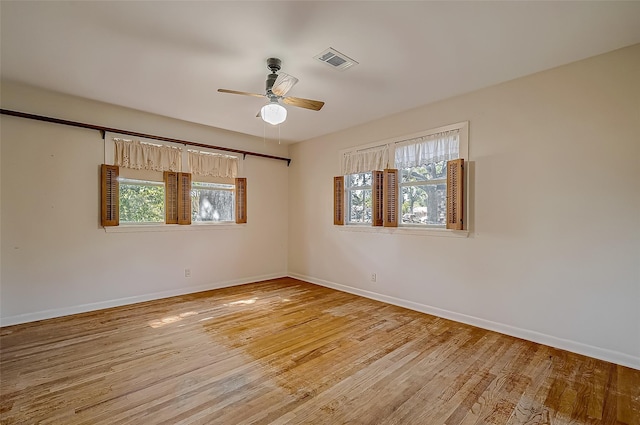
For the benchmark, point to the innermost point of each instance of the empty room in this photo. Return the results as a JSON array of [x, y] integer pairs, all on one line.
[[319, 212]]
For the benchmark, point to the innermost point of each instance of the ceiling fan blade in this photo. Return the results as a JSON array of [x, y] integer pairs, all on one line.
[[241, 92], [283, 84], [314, 105]]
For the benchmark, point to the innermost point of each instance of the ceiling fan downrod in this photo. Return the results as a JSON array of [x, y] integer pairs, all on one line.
[[274, 65]]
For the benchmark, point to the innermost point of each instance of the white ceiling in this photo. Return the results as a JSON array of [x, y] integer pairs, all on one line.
[[169, 58]]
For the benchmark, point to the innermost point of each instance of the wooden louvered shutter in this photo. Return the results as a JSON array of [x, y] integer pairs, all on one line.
[[171, 197], [109, 196], [184, 198], [377, 196], [338, 200], [390, 198], [455, 194], [241, 200]]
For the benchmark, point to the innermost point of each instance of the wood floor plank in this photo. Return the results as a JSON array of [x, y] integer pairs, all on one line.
[[628, 410], [289, 352]]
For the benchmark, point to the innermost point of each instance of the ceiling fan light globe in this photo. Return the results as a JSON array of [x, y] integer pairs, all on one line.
[[273, 113]]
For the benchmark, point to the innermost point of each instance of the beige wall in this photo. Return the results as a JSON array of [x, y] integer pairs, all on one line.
[[55, 257], [553, 253]]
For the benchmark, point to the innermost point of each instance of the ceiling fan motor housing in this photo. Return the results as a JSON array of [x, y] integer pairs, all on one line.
[[274, 64]]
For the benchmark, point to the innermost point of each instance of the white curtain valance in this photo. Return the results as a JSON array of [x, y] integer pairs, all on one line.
[[145, 156], [364, 160], [213, 164], [427, 149]]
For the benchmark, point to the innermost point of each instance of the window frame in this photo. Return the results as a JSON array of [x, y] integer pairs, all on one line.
[[126, 180], [402, 185], [232, 189], [347, 201]]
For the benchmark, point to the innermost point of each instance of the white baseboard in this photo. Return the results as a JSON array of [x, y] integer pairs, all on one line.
[[564, 344], [83, 308]]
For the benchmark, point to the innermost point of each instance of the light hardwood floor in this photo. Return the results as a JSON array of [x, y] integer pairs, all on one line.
[[289, 352]]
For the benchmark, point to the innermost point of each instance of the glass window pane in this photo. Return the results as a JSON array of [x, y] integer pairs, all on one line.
[[141, 202], [359, 206], [212, 202], [359, 180], [433, 171], [424, 204]]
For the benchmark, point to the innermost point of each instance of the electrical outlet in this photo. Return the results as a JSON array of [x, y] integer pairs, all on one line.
[[374, 277], [187, 272]]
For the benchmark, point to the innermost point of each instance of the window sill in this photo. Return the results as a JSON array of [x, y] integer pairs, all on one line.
[[416, 231], [137, 228]]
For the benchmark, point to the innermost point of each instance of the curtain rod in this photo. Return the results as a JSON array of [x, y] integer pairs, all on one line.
[[427, 136], [103, 130]]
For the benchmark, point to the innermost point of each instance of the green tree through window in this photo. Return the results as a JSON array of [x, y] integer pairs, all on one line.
[[141, 201], [423, 191]]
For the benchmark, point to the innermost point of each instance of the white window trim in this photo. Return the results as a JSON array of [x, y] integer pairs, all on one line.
[[404, 230], [158, 227], [410, 229]]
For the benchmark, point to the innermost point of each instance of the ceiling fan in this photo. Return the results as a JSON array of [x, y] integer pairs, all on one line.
[[277, 86]]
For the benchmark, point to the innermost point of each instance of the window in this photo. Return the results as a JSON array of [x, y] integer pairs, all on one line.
[[423, 193], [141, 201], [212, 202], [359, 199], [422, 162], [175, 201], [416, 182], [146, 186]]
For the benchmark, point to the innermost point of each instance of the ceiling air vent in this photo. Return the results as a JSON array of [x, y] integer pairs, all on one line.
[[335, 59]]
